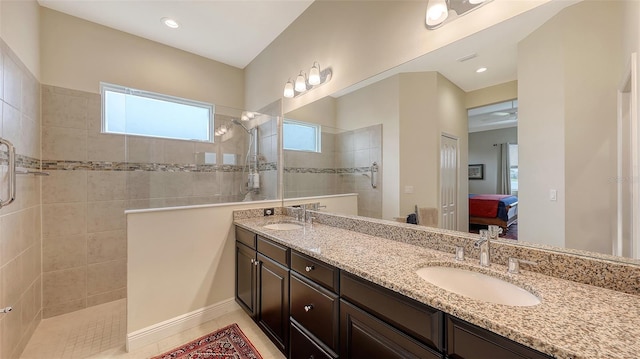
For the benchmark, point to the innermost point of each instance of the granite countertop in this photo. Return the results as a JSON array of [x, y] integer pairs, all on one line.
[[574, 320]]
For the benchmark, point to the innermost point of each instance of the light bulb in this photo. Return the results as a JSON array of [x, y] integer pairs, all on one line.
[[170, 22], [437, 12], [301, 83], [314, 74], [288, 89]]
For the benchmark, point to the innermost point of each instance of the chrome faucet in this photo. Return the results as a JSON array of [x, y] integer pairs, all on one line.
[[485, 249], [300, 212]]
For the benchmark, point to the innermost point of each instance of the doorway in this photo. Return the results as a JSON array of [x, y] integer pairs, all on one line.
[[448, 182]]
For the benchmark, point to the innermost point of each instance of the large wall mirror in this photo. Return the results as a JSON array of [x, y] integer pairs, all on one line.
[[385, 138]]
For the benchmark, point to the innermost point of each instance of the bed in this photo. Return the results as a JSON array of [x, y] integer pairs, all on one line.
[[497, 209]]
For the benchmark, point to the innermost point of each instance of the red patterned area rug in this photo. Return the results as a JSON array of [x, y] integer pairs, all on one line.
[[228, 342]]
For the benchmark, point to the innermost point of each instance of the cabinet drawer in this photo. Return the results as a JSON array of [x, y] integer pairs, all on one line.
[[468, 341], [246, 237], [412, 317], [365, 336], [322, 273], [316, 309], [274, 251], [303, 347]]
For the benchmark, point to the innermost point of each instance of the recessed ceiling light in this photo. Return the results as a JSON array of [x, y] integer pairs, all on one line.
[[482, 69], [169, 22]]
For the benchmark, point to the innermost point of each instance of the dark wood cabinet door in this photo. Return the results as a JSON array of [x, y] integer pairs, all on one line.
[[362, 336], [303, 347], [315, 309], [273, 301], [467, 341], [246, 278]]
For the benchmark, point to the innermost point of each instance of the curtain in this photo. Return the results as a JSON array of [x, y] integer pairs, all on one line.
[[504, 170]]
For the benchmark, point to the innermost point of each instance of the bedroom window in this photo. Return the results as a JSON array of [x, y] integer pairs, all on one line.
[[128, 111], [513, 168], [300, 136]]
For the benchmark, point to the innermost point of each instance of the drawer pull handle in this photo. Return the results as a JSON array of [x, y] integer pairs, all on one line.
[[308, 307], [309, 268], [256, 262], [253, 260]]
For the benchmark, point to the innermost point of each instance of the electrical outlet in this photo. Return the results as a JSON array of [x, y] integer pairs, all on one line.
[[268, 212]]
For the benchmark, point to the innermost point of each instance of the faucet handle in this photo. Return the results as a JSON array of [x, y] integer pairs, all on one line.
[[514, 265], [458, 250]]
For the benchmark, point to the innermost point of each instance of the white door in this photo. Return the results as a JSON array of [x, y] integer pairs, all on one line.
[[448, 182]]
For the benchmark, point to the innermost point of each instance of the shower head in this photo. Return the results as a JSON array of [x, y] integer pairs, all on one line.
[[236, 122]]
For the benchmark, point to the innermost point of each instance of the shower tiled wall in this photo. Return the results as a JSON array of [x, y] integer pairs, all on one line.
[[20, 238], [95, 177], [84, 230], [343, 166], [356, 152]]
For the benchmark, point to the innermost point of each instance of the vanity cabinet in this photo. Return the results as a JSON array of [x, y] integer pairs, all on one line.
[[314, 308], [465, 340], [246, 271], [262, 284], [374, 319], [310, 309]]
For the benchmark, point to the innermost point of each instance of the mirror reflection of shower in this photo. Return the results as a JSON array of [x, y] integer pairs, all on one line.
[[250, 184]]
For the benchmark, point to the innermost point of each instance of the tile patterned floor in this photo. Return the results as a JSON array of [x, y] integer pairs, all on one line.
[[100, 331]]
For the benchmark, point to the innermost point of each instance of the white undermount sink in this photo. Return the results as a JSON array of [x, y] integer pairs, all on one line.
[[478, 286], [283, 226]]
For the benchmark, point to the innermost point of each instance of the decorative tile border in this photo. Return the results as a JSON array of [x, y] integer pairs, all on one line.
[[48, 165], [327, 170], [21, 161]]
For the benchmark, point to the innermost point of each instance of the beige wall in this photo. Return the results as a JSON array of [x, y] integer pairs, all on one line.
[[358, 39], [78, 54], [567, 119], [19, 28], [322, 112], [162, 285], [493, 94]]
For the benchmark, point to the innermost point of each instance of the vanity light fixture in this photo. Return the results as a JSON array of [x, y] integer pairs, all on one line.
[[314, 74], [304, 83], [441, 11], [288, 89], [247, 115], [169, 22], [301, 83]]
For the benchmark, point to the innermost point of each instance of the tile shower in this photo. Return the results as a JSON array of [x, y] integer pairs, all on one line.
[[95, 177], [20, 250], [342, 166]]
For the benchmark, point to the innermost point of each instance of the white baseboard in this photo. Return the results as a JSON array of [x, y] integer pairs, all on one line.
[[157, 332]]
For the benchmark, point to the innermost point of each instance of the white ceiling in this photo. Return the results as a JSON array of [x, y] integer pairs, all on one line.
[[233, 32]]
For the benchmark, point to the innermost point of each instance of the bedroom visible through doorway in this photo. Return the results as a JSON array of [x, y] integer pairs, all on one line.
[[493, 167]]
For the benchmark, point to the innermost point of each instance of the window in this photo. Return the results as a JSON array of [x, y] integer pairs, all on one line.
[[301, 136], [513, 168], [133, 112]]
